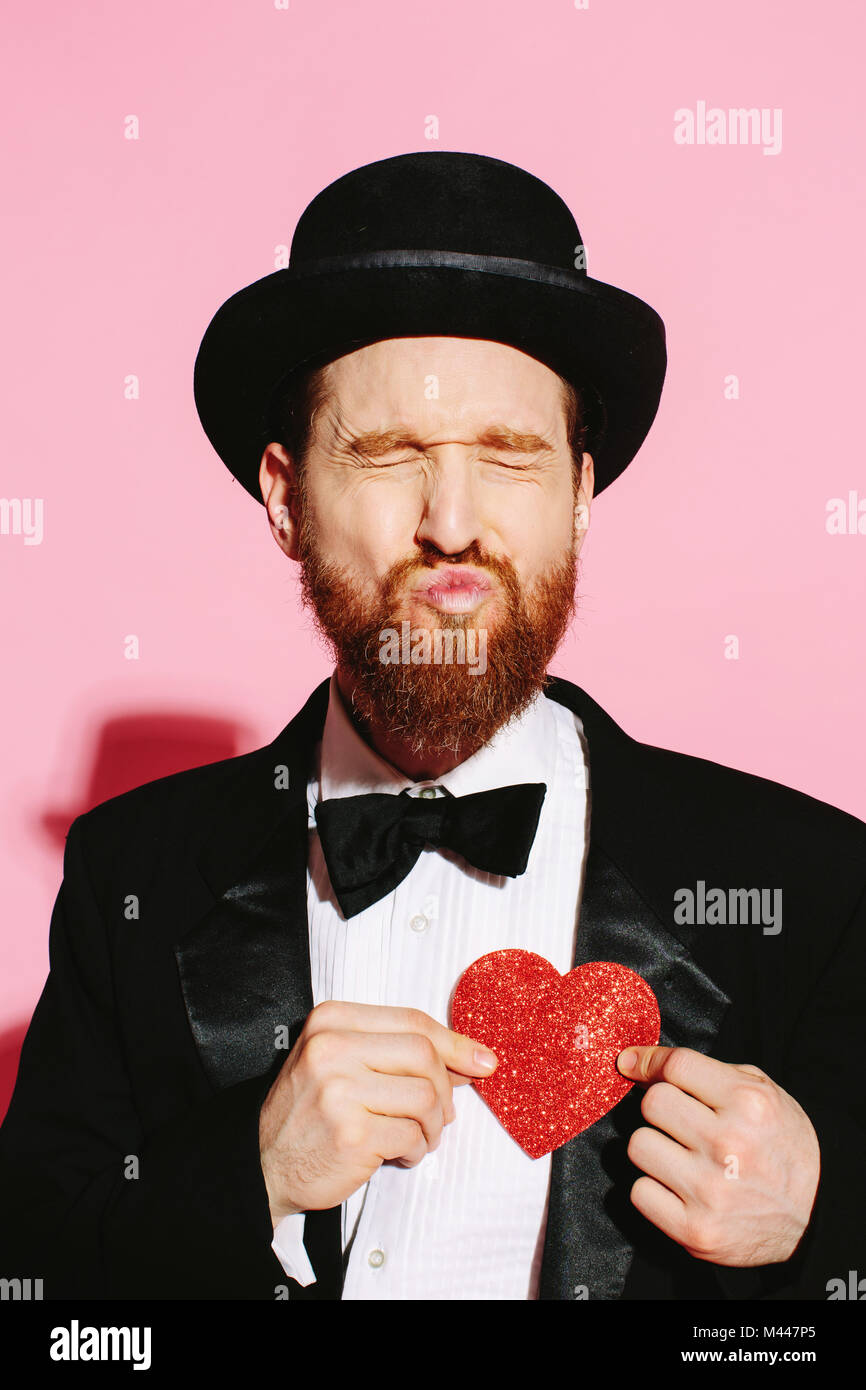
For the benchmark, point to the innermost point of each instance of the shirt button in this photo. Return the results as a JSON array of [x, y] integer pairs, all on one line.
[[376, 1259], [427, 792], [419, 922]]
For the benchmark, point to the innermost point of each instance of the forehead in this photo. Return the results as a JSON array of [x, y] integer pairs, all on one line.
[[460, 380]]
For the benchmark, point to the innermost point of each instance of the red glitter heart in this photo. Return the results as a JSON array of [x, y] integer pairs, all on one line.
[[557, 1038]]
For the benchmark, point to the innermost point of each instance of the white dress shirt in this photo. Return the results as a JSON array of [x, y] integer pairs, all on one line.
[[468, 1221]]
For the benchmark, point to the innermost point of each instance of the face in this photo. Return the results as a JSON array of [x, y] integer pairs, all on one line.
[[438, 492]]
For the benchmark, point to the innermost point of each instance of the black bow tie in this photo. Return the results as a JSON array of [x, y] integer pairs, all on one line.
[[370, 842]]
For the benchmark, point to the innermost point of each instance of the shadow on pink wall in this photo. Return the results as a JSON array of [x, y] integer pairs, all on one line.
[[129, 750], [10, 1051], [134, 748]]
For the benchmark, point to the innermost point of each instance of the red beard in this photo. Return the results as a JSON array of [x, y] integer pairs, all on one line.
[[440, 708]]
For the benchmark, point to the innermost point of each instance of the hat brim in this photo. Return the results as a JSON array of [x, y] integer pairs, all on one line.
[[587, 331]]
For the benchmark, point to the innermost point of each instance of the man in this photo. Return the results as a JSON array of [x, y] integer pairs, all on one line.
[[251, 1090]]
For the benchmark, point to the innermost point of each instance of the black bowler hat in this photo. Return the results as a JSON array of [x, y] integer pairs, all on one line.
[[433, 244]]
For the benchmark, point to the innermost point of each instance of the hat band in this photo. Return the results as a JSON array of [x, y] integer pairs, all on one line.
[[448, 260]]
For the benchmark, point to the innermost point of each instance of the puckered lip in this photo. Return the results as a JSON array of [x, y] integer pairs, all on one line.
[[454, 578]]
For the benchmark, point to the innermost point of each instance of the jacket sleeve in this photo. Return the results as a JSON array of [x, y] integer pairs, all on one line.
[[89, 1203], [825, 1075]]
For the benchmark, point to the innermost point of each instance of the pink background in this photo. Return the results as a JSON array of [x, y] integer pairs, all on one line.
[[117, 253]]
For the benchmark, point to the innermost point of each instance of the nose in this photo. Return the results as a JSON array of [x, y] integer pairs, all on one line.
[[450, 518]]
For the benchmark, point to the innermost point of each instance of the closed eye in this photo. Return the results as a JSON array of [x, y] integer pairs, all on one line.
[[366, 462], [502, 463], [529, 465]]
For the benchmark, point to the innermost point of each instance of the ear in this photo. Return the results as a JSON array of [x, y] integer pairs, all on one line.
[[583, 501], [279, 484]]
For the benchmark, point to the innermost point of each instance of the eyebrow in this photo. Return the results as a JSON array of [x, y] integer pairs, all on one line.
[[377, 442]]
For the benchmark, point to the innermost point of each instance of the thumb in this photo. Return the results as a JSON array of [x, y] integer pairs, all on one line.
[[642, 1064]]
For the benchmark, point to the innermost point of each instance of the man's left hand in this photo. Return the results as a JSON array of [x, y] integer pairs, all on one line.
[[733, 1176]]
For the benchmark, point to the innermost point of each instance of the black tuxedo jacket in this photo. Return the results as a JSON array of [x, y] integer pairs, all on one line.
[[129, 1162]]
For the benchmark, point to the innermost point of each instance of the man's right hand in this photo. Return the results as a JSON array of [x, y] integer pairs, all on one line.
[[363, 1084]]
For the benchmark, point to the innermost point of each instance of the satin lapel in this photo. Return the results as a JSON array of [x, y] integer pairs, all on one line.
[[592, 1226], [244, 965]]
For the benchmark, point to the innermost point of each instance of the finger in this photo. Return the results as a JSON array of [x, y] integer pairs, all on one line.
[[456, 1050], [398, 1140], [705, 1078], [393, 1054], [457, 1080], [406, 1098], [662, 1207], [685, 1119], [663, 1159], [460, 1054]]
